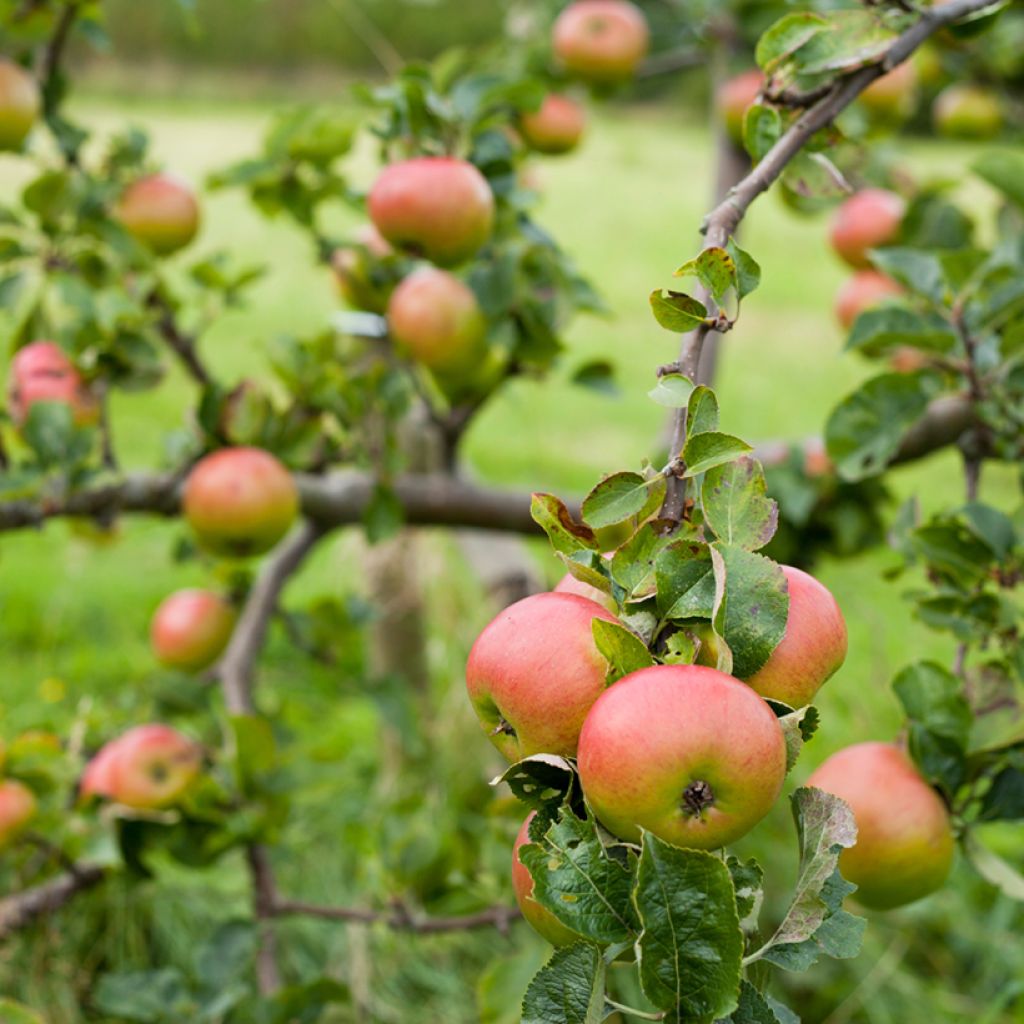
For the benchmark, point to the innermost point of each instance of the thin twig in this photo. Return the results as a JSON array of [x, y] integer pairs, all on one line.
[[20, 909], [180, 343], [55, 49]]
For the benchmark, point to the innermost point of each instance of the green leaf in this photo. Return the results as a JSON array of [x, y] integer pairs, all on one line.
[[865, 429], [384, 514], [633, 563], [762, 126], [854, 39], [933, 698], [747, 880], [1005, 170], [701, 411], [797, 728], [544, 782], [624, 651], [919, 271], [1004, 799], [255, 750], [685, 580], [785, 37], [996, 871], [751, 615], [500, 990], [815, 922], [597, 375], [736, 506], [994, 528], [584, 566], [672, 391], [753, 1008], [615, 499], [705, 451], [748, 272], [576, 879], [569, 989], [555, 519], [676, 311], [682, 895], [879, 330], [715, 269], [149, 997]]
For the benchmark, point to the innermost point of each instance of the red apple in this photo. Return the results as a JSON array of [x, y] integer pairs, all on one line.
[[869, 219], [534, 672], [435, 319], [437, 207], [191, 628], [893, 97], [41, 372], [967, 112], [816, 460], [601, 40], [17, 809], [540, 918], [568, 584], [556, 127], [906, 359], [865, 290], [96, 781], [152, 767], [160, 211], [357, 275], [904, 846], [811, 650], [240, 501], [734, 99], [686, 752], [20, 103]]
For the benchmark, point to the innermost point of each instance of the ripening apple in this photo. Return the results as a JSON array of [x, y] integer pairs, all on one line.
[[17, 809], [812, 648], [893, 97], [866, 289], [556, 127], [865, 221], [601, 41], [568, 584], [20, 103], [534, 672], [41, 372], [904, 848], [240, 501], [734, 99], [437, 207], [539, 918], [967, 112], [160, 211], [191, 628], [95, 782], [435, 319], [686, 752], [359, 281], [816, 460], [906, 359], [151, 767]]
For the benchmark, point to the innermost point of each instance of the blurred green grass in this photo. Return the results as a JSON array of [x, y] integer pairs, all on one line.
[[74, 614]]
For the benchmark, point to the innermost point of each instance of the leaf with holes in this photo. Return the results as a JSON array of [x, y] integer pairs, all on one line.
[[543, 782]]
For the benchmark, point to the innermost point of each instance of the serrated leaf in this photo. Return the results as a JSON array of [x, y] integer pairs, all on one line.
[[632, 565], [584, 566], [734, 498], [747, 880], [555, 519], [753, 1008], [676, 311], [615, 499], [797, 728], [568, 989], [624, 651], [542, 782], [785, 37], [715, 269], [685, 580], [712, 448], [576, 879], [672, 391], [752, 605], [681, 894]]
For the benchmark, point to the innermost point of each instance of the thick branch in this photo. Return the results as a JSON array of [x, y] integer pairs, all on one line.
[[400, 919], [19, 909], [264, 893]]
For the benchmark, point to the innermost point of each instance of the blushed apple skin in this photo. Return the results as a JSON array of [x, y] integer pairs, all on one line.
[[17, 809], [967, 112], [735, 97], [96, 779], [441, 208], [811, 650], [20, 103], [160, 211], [660, 735], [190, 629], [152, 767], [867, 220], [543, 922], [537, 668], [568, 584], [904, 848], [353, 271], [556, 128], [601, 41], [435, 318], [866, 290], [240, 501], [41, 372]]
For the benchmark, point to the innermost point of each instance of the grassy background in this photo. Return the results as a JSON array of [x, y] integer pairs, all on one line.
[[74, 613]]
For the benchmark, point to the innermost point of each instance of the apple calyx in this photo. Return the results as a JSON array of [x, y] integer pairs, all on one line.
[[503, 728], [697, 798]]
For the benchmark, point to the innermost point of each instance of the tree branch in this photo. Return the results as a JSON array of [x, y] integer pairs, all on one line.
[[19, 909], [400, 919], [181, 344], [725, 218], [55, 48]]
